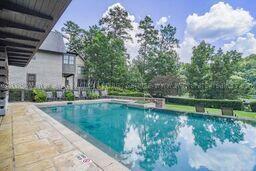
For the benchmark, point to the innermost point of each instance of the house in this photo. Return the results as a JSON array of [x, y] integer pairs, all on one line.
[[51, 67]]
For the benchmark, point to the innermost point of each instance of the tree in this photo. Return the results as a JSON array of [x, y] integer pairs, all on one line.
[[117, 23], [161, 86], [148, 40], [197, 73], [105, 57], [222, 67], [75, 36], [166, 62]]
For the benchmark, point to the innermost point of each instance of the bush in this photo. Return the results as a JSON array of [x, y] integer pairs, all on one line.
[[211, 103], [69, 96], [253, 106], [93, 96], [39, 95], [131, 94]]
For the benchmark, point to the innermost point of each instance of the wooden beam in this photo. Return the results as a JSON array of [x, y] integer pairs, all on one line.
[[10, 49], [6, 35], [11, 24], [20, 64], [17, 57], [8, 5], [18, 54], [15, 44]]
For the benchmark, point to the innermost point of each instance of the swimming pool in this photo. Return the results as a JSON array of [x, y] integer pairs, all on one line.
[[145, 139]]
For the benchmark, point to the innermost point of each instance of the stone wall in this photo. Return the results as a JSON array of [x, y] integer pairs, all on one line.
[[160, 102]]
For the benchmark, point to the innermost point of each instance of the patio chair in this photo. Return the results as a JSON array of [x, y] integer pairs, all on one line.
[[200, 108], [227, 111], [59, 95], [84, 94], [96, 92], [104, 93], [49, 95], [76, 94]]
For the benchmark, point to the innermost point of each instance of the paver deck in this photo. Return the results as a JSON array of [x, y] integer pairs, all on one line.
[[32, 140]]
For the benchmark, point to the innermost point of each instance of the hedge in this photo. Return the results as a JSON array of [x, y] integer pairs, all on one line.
[[211, 103], [253, 106], [131, 94]]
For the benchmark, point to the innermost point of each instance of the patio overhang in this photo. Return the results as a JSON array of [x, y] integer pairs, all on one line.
[[24, 25]]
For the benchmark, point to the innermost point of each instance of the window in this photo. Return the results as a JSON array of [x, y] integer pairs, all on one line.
[[81, 70], [31, 80], [65, 59], [81, 83], [71, 60]]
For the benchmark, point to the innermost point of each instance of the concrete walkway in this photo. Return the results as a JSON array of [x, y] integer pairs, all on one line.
[[32, 140]]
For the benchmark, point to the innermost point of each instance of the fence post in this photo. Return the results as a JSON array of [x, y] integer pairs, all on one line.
[[22, 95]]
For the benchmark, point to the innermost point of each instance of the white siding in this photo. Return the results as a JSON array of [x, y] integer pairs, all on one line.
[[46, 65]]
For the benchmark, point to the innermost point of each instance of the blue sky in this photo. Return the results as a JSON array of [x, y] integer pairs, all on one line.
[[239, 17]]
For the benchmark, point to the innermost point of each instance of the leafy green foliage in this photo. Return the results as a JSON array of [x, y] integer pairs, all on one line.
[[117, 23], [162, 86], [211, 103], [253, 106], [198, 71], [69, 96], [93, 95], [39, 95]]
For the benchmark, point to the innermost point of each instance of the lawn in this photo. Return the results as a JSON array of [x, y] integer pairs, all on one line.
[[209, 110]]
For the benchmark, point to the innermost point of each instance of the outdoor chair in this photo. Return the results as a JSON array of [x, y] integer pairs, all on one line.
[[59, 95], [49, 95], [84, 95], [200, 108], [226, 111], [96, 92], [76, 94], [104, 93]]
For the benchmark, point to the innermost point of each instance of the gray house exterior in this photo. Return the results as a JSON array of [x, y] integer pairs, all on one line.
[[50, 67]]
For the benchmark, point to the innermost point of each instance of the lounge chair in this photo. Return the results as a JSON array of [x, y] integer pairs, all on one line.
[[84, 94], [59, 95], [200, 108], [49, 95], [76, 94], [226, 111]]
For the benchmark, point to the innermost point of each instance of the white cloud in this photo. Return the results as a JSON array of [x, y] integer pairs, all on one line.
[[244, 44], [222, 22], [185, 50], [163, 21]]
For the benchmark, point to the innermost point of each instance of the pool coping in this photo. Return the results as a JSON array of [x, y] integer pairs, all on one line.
[[100, 158]]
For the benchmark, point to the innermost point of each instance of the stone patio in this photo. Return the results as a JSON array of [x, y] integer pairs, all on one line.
[[32, 140]]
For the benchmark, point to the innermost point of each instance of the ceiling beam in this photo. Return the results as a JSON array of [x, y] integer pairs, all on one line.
[[17, 57], [10, 24], [18, 54], [8, 5], [10, 49], [20, 64], [15, 44], [6, 35]]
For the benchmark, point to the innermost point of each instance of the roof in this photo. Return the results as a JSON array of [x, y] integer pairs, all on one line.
[[24, 24], [54, 42]]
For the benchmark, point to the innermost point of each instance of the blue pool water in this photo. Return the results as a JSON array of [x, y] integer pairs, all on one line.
[[163, 140]]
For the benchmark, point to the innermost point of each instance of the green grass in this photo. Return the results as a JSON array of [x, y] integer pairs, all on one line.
[[209, 110]]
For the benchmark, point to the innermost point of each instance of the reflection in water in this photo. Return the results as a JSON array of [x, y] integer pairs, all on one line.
[[156, 140]]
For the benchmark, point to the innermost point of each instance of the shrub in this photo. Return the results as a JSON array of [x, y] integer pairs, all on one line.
[[93, 96], [211, 103], [131, 94], [39, 95], [253, 106], [69, 96]]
